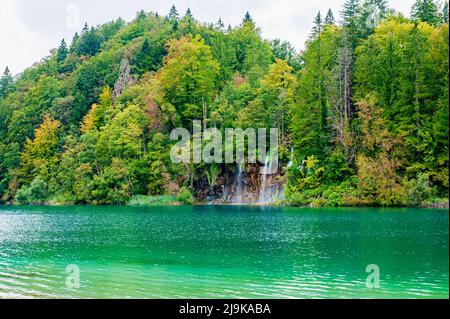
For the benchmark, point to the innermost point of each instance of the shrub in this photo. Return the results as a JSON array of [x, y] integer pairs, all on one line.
[[419, 190], [185, 196], [35, 193]]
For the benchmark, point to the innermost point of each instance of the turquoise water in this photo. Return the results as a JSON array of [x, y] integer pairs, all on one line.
[[222, 252]]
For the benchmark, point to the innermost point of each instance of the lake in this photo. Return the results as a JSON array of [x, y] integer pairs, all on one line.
[[222, 252]]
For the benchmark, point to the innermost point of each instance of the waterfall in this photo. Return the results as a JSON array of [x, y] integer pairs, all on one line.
[[291, 159], [237, 198], [267, 191]]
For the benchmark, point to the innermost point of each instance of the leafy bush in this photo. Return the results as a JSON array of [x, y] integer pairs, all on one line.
[[419, 190], [35, 193], [185, 196]]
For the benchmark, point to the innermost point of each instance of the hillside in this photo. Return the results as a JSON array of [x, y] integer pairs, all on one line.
[[362, 111]]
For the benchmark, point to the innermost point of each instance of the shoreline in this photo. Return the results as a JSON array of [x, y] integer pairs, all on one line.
[[432, 205]]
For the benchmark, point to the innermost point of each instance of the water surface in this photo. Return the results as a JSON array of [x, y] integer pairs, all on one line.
[[223, 252]]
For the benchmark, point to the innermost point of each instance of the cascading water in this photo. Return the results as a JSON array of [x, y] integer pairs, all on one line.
[[237, 199], [267, 191]]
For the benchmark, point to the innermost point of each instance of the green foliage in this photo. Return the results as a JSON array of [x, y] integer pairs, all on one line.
[[185, 196], [6, 82], [364, 108], [35, 193], [425, 11], [187, 79], [419, 190], [144, 200]]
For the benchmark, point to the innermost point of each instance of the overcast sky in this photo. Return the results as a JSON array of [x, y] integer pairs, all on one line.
[[30, 28]]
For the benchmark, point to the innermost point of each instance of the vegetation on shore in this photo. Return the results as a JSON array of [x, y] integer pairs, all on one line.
[[364, 108]]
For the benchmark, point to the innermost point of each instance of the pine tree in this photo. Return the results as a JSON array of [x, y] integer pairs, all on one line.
[[143, 61], [5, 83], [444, 14], [329, 19], [85, 29], [317, 28], [173, 13], [141, 15], [316, 39], [220, 25], [62, 52], [371, 13], [425, 11], [247, 18], [350, 19], [349, 13], [75, 39]]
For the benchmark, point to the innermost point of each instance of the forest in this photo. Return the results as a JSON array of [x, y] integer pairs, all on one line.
[[362, 110]]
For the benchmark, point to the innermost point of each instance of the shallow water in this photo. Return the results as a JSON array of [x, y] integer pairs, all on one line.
[[223, 252]]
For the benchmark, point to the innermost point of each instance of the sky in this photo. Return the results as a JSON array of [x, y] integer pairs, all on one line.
[[30, 28]]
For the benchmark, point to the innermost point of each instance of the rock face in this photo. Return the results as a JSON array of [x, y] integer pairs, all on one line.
[[242, 184]]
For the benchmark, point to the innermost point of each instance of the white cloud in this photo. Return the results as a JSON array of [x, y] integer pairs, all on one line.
[[29, 28]]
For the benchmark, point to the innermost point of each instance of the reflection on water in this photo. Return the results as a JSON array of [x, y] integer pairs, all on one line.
[[222, 252]]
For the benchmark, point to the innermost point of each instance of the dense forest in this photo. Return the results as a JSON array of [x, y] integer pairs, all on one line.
[[362, 110]]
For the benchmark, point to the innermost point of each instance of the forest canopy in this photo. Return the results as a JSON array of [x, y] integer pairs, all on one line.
[[362, 110]]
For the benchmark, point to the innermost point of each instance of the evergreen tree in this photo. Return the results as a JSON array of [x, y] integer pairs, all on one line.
[[187, 24], [144, 59], [62, 52], [372, 12], [141, 15], [425, 11], [247, 18], [5, 83], [173, 13], [349, 13], [444, 14], [317, 28], [220, 25], [75, 39], [85, 29], [350, 16], [329, 19]]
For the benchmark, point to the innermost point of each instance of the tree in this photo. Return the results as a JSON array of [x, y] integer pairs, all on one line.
[[145, 59], [285, 51], [444, 14], [281, 83], [173, 13], [220, 25], [247, 18], [141, 15], [62, 52], [317, 44], [377, 165], [39, 157], [187, 24], [6, 82], [425, 11], [88, 44], [372, 12], [329, 19], [350, 20], [187, 79]]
